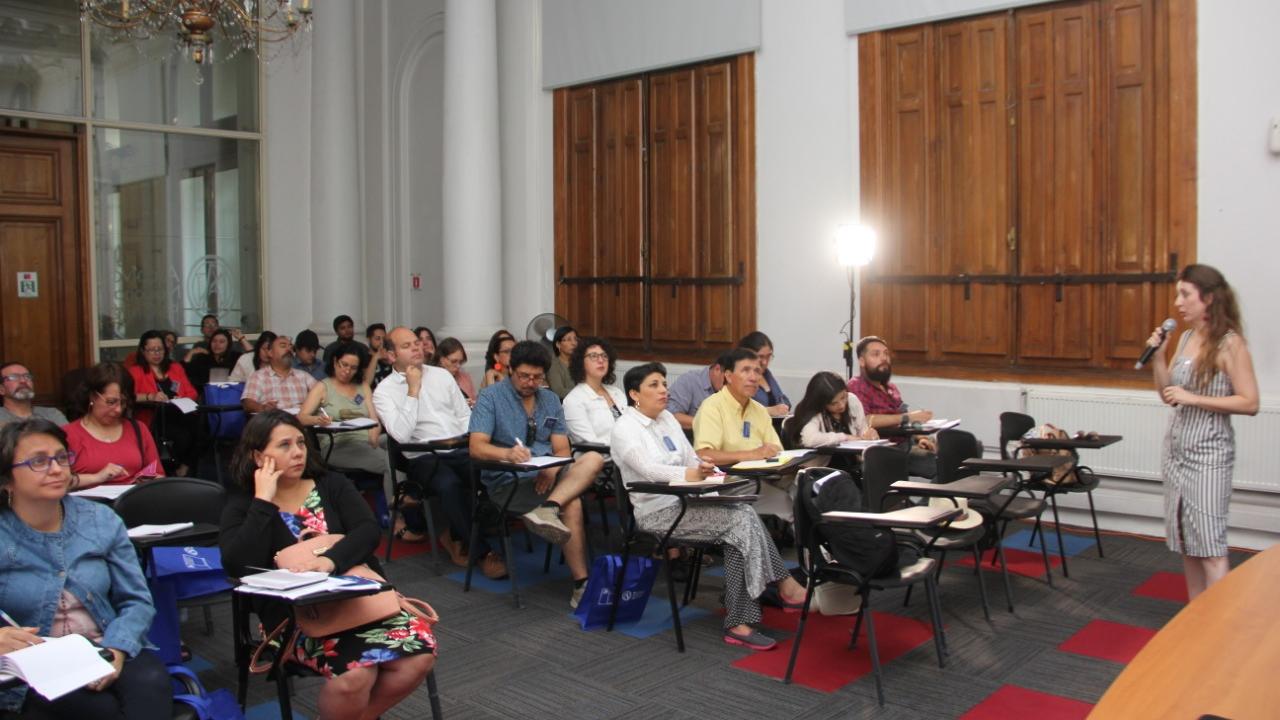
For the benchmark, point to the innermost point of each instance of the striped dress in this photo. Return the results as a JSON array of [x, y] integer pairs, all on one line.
[[1199, 454]]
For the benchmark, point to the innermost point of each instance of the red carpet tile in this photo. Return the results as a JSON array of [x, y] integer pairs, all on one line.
[[1164, 586], [825, 663], [1029, 564], [1012, 701], [1108, 641]]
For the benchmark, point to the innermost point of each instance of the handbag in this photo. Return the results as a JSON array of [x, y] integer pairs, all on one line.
[[329, 618], [1064, 474], [598, 597]]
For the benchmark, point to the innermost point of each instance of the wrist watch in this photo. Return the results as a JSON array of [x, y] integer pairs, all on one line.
[[906, 420]]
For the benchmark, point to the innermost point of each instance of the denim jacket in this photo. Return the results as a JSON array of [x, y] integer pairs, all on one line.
[[92, 558]]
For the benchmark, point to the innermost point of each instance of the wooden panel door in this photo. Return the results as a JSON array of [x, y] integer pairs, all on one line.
[[1057, 168], [577, 207], [620, 226], [973, 214], [716, 226], [45, 327]]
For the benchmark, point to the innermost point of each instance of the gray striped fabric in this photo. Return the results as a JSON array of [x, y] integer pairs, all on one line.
[[1199, 454]]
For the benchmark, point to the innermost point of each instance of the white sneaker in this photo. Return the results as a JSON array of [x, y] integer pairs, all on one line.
[[576, 597], [544, 521]]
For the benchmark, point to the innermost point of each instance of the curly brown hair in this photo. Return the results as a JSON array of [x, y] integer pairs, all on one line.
[[1223, 317]]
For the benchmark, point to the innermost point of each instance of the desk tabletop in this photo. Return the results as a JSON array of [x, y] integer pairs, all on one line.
[[772, 468], [917, 517], [519, 467], [974, 487], [1099, 442], [1217, 656], [685, 489], [197, 534], [1027, 463]]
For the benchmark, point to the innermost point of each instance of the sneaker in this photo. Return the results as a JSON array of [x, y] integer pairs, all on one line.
[[576, 597], [755, 640], [544, 521]]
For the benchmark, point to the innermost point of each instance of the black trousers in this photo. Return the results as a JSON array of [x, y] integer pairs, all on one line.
[[447, 479], [142, 692]]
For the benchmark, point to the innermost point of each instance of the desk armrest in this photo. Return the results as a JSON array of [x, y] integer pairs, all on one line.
[[915, 518], [974, 487], [439, 444], [601, 448], [657, 488]]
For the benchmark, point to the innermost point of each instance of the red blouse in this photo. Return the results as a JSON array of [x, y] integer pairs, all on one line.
[[93, 454], [145, 383]]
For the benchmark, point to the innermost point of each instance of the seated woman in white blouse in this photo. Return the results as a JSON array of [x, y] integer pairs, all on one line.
[[595, 403], [649, 446], [828, 415]]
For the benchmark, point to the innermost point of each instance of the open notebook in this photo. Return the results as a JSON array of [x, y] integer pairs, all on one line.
[[56, 666]]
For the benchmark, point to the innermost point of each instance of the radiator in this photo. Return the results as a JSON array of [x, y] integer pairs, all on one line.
[[1142, 422]]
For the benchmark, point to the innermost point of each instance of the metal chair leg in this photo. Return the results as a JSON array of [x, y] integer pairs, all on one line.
[[617, 586], [675, 610], [875, 655], [930, 591], [795, 643], [473, 545], [431, 535], [397, 496], [982, 586], [433, 694], [1057, 528], [1004, 572], [1097, 535], [511, 568]]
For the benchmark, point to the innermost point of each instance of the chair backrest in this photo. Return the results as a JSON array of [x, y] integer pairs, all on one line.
[[954, 447], [1013, 425], [882, 466], [171, 500], [621, 496], [805, 511]]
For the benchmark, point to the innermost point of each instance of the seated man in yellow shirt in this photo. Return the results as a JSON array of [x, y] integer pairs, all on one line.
[[731, 427]]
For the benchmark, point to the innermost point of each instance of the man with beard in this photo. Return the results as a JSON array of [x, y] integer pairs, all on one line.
[[883, 404], [278, 384], [17, 390]]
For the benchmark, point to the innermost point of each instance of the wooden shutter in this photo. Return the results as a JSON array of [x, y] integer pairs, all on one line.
[[1057, 188], [621, 218], [576, 205], [672, 202], [973, 215], [717, 227]]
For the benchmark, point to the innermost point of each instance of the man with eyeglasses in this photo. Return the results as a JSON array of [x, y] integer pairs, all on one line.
[[517, 419], [17, 391], [417, 403]]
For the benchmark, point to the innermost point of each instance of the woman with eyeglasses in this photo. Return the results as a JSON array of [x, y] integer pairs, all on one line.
[[111, 447], [71, 569], [497, 358], [594, 403], [452, 357], [158, 379], [342, 396]]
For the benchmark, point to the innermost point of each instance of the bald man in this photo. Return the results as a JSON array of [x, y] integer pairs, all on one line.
[[419, 402]]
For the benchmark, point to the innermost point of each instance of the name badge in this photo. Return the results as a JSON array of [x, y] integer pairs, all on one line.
[[746, 428], [549, 423], [671, 446], [359, 399]]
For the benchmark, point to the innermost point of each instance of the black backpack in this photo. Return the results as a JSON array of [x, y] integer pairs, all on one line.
[[866, 550]]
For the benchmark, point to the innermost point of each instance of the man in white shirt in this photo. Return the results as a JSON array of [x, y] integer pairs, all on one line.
[[417, 403]]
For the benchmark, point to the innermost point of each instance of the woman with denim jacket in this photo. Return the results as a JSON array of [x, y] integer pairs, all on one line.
[[67, 566]]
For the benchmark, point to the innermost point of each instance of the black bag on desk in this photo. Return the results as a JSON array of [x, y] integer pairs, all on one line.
[[868, 551]]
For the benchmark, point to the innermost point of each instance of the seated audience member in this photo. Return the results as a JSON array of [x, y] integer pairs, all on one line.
[[595, 403], [277, 384], [731, 427], [376, 337], [208, 328], [222, 354], [170, 344], [648, 445], [428, 340], [419, 402], [250, 362], [828, 415], [517, 419], [285, 495], [691, 388], [159, 379], [497, 358], [17, 396], [306, 350], [78, 574], [559, 379], [883, 403], [385, 360], [769, 394], [110, 446], [345, 328], [342, 396], [452, 356]]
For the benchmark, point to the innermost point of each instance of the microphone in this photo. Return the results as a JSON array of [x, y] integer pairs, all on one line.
[[1165, 328]]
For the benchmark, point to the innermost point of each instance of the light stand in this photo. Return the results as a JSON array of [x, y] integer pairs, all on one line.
[[855, 246]]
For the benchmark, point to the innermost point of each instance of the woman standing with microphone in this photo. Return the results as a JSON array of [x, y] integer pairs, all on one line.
[[1211, 378]]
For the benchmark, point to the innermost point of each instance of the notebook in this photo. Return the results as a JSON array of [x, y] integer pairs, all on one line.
[[56, 666]]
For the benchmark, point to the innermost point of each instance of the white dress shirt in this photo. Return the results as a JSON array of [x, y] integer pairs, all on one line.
[[588, 415], [650, 450], [439, 411], [243, 368]]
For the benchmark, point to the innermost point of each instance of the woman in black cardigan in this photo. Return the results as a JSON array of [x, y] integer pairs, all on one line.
[[286, 493]]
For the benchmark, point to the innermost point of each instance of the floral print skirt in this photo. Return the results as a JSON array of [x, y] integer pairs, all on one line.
[[398, 636]]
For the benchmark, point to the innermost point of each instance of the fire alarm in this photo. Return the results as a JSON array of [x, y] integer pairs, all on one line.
[[415, 281]]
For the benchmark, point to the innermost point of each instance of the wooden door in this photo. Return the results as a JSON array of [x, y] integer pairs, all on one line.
[[44, 276]]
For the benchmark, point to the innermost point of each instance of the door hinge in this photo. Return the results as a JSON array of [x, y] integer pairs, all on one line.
[[1011, 239]]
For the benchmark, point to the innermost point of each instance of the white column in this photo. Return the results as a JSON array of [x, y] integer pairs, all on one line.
[[472, 177], [337, 272]]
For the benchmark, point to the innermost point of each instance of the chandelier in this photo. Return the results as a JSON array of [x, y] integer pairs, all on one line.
[[201, 25]]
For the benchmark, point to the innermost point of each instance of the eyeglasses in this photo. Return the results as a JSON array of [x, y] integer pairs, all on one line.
[[42, 463], [596, 356], [15, 377], [153, 350], [530, 377], [110, 402]]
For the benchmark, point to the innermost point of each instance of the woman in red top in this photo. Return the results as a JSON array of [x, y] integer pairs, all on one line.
[[158, 379], [110, 446]]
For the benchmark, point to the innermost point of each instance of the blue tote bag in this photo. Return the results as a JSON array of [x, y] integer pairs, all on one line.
[[229, 424], [598, 599], [180, 573]]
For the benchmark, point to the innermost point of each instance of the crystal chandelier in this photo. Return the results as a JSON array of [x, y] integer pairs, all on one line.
[[200, 25]]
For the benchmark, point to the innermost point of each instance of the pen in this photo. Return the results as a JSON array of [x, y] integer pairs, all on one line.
[[5, 616], [518, 443]]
